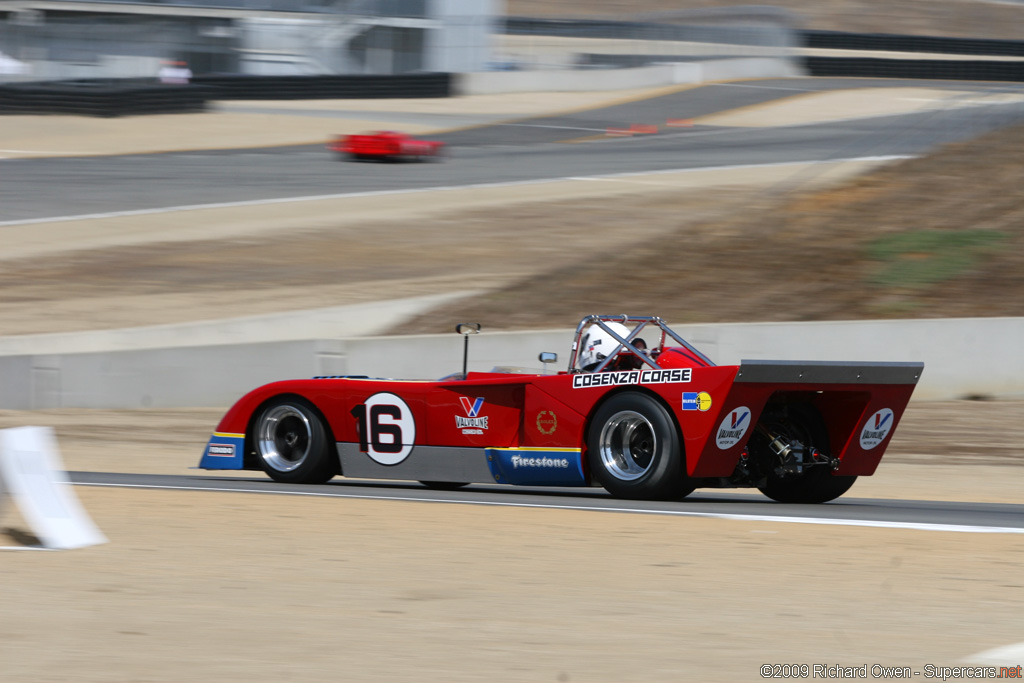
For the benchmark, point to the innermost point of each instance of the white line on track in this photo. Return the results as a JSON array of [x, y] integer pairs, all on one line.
[[1009, 655], [27, 151], [538, 125], [916, 526], [759, 87], [440, 188]]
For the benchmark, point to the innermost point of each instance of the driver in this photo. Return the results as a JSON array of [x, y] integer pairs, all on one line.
[[596, 344]]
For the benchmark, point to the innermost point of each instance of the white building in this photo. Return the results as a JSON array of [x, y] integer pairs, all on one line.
[[86, 39]]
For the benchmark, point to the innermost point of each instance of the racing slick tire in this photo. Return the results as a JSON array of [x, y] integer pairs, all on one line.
[[634, 449], [291, 443], [815, 484]]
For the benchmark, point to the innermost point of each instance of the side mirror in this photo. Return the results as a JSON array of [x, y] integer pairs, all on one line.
[[466, 329], [548, 357]]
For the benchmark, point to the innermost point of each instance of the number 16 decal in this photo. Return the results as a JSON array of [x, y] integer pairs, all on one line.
[[387, 430]]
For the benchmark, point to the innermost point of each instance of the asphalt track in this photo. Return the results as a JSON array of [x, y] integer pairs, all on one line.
[[515, 151], [522, 151], [922, 515]]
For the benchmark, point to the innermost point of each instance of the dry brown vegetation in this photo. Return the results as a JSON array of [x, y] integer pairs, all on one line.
[[959, 18], [938, 236]]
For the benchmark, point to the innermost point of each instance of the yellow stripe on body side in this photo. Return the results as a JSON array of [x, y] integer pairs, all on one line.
[[539, 449]]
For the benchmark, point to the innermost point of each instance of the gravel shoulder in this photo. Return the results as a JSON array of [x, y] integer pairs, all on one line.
[[196, 585]]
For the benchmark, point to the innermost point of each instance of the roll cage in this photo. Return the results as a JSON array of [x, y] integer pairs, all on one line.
[[638, 322]]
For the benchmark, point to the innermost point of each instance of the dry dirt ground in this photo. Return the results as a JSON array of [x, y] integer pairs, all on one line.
[[966, 18], [206, 586], [255, 587], [939, 236]]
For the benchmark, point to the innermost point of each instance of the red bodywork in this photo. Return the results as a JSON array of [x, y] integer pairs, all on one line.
[[553, 411], [385, 145]]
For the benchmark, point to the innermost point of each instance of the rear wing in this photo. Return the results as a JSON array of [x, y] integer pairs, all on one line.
[[828, 372], [860, 402]]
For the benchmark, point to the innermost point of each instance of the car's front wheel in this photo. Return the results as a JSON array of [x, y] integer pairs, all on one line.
[[291, 443], [634, 449]]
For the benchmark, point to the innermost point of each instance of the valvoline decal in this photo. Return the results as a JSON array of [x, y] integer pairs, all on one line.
[[224, 452], [536, 466]]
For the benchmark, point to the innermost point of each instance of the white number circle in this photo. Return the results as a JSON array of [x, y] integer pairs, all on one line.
[[392, 430]]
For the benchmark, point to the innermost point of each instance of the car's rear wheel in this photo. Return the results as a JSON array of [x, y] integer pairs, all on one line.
[[291, 443], [634, 449], [802, 428]]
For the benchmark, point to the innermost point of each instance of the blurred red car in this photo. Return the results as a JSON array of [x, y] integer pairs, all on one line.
[[386, 144]]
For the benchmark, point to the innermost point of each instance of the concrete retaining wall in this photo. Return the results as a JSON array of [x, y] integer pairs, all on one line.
[[160, 378], [571, 80], [963, 357]]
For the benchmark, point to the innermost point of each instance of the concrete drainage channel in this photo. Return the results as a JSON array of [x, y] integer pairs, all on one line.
[[972, 357]]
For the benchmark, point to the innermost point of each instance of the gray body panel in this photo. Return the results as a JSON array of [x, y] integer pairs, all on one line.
[[828, 372], [424, 463]]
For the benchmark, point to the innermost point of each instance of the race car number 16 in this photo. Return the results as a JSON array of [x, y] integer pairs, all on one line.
[[387, 430]]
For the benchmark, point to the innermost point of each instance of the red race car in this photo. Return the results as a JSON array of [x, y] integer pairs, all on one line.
[[643, 422], [386, 144]]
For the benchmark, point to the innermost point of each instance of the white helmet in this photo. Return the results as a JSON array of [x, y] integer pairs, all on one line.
[[596, 344]]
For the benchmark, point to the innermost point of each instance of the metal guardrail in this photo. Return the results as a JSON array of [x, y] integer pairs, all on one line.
[[109, 98], [835, 40], [326, 87], [100, 98], [918, 69]]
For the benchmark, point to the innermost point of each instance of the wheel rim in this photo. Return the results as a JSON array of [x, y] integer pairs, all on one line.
[[627, 445], [284, 437]]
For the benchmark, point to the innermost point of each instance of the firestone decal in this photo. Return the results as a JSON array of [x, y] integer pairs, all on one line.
[[222, 450], [606, 379], [876, 429], [536, 466], [547, 422], [697, 400], [733, 427], [519, 461]]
